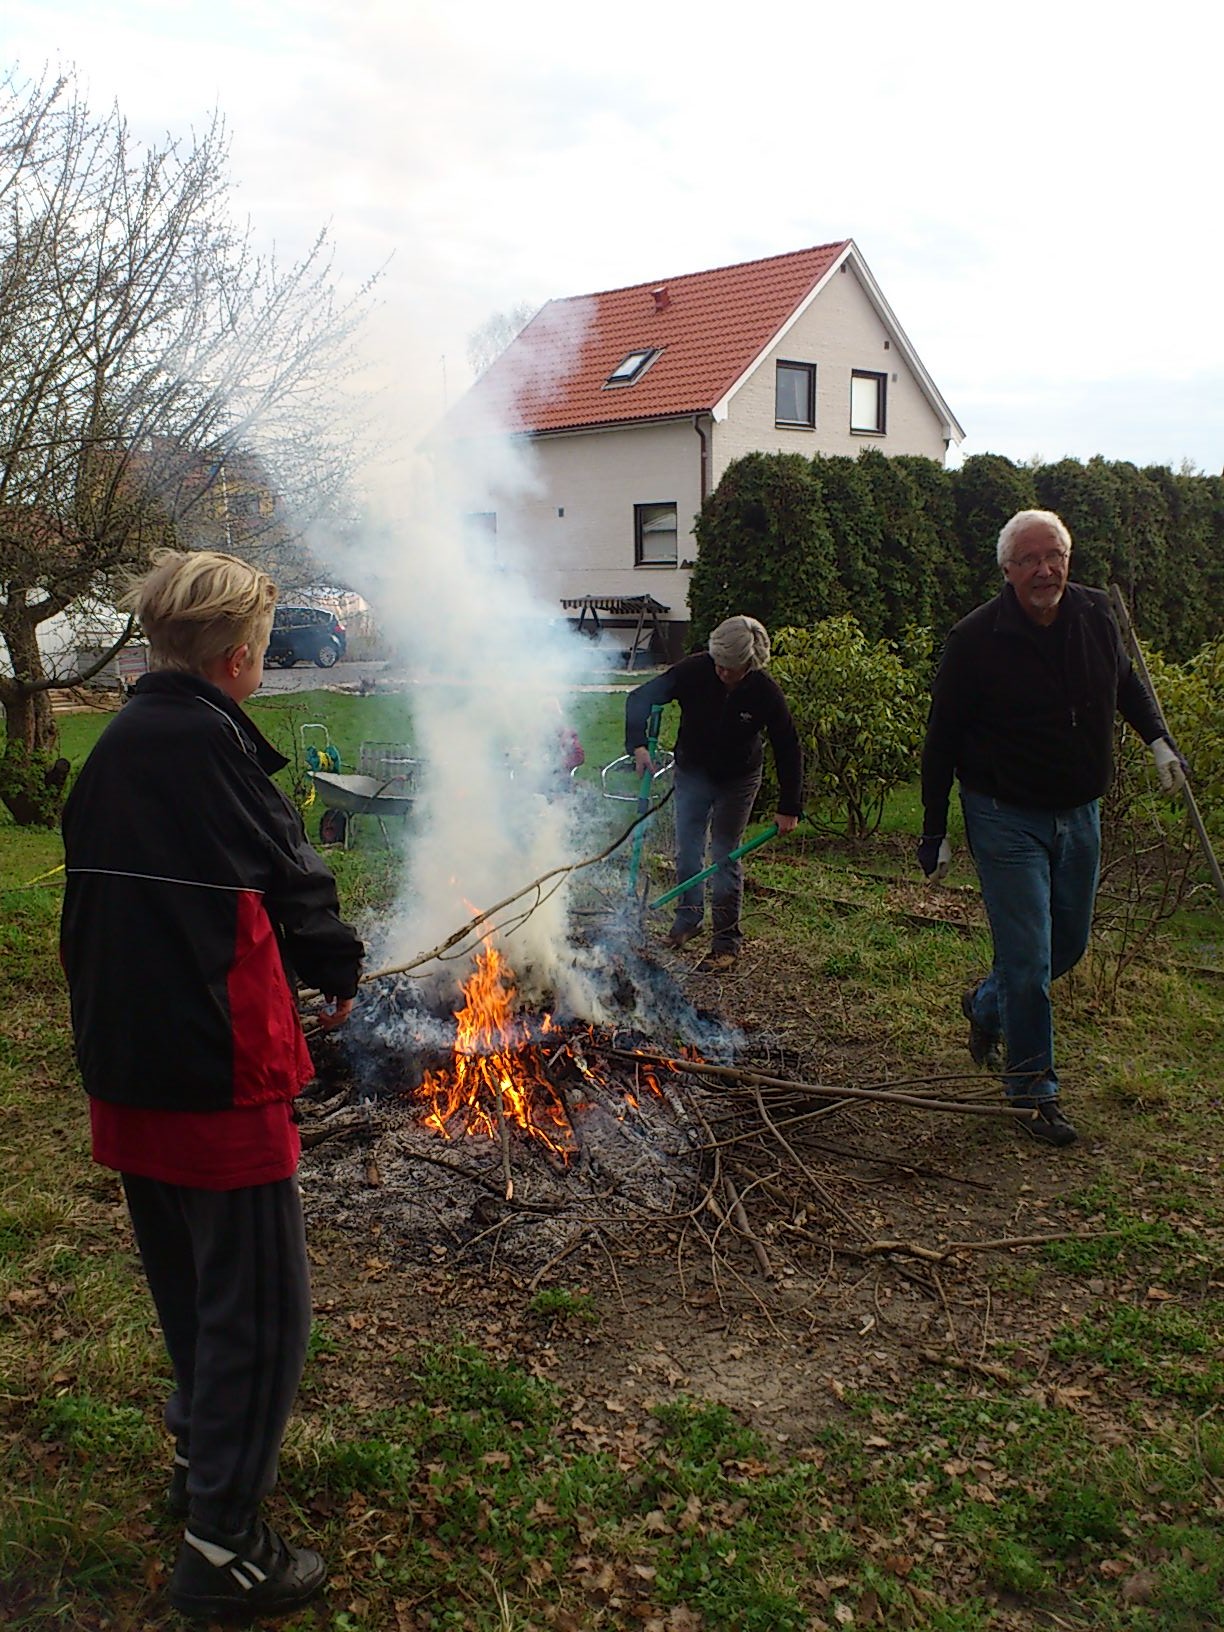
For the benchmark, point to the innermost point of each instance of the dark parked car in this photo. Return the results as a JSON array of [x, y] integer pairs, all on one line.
[[301, 633]]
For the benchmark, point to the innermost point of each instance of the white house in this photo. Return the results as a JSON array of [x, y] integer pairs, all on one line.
[[634, 402]]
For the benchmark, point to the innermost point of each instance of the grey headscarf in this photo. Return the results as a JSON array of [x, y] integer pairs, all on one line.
[[740, 643]]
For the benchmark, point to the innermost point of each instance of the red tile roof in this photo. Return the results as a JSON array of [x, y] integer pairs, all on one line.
[[708, 327]]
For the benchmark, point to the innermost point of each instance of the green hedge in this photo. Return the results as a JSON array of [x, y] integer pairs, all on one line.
[[903, 542]]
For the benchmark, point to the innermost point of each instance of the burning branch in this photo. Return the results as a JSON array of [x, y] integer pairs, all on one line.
[[496, 1058]]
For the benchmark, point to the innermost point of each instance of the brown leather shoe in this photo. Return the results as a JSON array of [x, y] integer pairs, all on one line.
[[681, 936]]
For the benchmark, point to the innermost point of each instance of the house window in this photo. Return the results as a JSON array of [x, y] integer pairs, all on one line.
[[480, 538], [632, 367], [867, 393], [654, 535], [795, 394]]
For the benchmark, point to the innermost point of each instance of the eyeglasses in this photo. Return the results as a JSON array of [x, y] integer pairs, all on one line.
[[1051, 558]]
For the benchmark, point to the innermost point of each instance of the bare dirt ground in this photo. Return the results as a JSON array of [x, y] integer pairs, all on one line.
[[686, 1308]]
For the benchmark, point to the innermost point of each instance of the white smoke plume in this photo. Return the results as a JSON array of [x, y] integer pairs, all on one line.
[[492, 671]]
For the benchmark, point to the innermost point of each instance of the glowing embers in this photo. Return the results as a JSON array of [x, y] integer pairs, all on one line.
[[499, 1072]]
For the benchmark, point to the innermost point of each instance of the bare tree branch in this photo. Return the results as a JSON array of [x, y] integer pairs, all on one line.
[[160, 380]]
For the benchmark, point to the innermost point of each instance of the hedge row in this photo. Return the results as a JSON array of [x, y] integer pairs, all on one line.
[[902, 541]]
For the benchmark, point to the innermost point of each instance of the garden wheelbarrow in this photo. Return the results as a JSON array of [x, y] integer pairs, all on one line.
[[384, 787]]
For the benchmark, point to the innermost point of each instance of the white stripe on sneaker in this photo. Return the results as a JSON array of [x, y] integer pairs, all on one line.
[[219, 1557]]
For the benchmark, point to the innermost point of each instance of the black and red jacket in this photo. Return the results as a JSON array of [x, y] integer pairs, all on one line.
[[193, 898]]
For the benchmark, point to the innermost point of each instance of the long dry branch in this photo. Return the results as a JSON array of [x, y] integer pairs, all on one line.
[[820, 1090]]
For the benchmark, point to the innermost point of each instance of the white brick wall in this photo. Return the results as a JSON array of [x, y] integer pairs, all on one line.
[[839, 332], [596, 479]]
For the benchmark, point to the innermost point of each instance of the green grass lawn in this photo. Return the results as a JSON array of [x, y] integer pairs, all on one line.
[[454, 1478]]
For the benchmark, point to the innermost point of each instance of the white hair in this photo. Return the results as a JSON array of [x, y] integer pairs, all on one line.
[[740, 643], [1022, 521]]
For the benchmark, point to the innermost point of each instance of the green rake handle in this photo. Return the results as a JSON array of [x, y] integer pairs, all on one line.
[[653, 727], [771, 832]]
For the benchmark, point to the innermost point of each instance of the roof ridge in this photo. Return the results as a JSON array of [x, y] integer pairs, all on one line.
[[682, 277], [555, 375]]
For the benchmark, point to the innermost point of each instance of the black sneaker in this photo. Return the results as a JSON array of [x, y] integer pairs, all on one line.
[[1050, 1126], [254, 1574], [176, 1493], [986, 1047]]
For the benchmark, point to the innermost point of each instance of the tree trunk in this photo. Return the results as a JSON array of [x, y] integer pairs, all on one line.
[[32, 777]]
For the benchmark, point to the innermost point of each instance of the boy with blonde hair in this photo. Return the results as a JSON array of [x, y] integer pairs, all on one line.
[[193, 901]]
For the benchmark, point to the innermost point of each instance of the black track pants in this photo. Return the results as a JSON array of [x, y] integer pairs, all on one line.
[[228, 1274]]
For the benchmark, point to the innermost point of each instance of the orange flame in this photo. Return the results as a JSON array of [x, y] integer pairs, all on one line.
[[496, 1060]]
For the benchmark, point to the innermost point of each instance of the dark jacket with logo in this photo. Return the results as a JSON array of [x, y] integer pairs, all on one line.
[[720, 730], [1025, 714], [192, 896]]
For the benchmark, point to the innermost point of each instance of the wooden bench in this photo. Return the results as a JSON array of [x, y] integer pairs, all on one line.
[[620, 612]]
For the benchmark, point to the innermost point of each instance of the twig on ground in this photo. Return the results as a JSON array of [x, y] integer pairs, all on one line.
[[943, 1298], [746, 1230], [616, 1280], [503, 1134], [914, 1169], [342, 1125], [940, 1255], [834, 1206], [983, 1368], [821, 1090], [575, 1239]]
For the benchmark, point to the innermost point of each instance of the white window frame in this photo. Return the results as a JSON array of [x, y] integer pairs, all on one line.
[[880, 418], [631, 367]]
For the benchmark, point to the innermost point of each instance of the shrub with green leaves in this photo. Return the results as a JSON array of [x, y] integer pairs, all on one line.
[[1192, 696], [860, 711], [1150, 854]]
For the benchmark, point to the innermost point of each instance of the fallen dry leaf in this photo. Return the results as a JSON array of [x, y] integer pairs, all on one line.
[[1138, 1588]]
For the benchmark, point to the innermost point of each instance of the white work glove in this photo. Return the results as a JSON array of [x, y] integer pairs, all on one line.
[[1170, 766], [934, 861]]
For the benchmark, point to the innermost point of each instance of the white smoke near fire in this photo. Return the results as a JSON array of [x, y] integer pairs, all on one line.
[[492, 670]]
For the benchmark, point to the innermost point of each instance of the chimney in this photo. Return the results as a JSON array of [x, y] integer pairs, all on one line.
[[662, 299]]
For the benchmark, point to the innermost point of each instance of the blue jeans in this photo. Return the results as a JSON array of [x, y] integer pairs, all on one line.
[[723, 808], [1039, 871]]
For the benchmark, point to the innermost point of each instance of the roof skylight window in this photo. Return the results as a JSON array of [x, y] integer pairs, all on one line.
[[632, 367]]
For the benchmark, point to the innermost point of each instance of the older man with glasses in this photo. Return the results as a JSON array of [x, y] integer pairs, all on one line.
[[1022, 715]]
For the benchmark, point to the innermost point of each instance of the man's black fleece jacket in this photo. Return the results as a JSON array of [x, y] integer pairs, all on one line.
[[1025, 714], [720, 729]]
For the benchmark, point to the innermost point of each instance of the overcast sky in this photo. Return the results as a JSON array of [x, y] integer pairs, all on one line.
[[1035, 187]]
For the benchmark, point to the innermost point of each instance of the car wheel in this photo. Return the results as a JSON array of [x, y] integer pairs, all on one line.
[[327, 654]]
